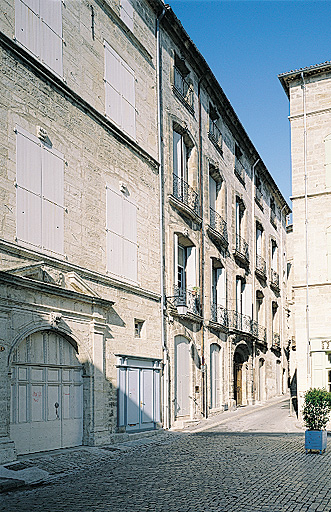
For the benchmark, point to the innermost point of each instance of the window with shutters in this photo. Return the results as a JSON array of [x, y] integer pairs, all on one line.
[[218, 293], [120, 91], [40, 193], [260, 264], [121, 228], [127, 13], [214, 132], [186, 290], [38, 28]]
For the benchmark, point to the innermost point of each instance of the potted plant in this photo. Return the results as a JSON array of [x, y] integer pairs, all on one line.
[[315, 413]]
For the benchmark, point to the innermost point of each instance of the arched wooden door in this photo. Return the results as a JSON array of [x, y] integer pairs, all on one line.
[[46, 394], [182, 376]]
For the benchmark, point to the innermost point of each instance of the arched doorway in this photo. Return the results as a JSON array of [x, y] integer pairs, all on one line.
[[182, 376], [215, 376], [46, 394], [240, 375]]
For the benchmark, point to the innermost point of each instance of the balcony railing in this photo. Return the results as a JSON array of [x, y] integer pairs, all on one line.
[[259, 332], [274, 278], [218, 223], [239, 322], [191, 299], [242, 247], [219, 314], [273, 218], [261, 265], [239, 171], [186, 194], [183, 87], [276, 340]]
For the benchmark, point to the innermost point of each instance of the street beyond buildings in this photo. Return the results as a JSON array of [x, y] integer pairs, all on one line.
[[250, 460]]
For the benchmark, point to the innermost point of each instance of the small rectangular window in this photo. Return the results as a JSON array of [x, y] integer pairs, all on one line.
[[138, 328]]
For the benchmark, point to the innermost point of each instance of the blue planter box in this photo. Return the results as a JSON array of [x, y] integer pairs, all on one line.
[[315, 440]]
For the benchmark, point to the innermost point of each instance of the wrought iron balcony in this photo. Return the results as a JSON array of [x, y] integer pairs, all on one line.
[[274, 279], [261, 265], [259, 332], [183, 88], [242, 247], [276, 340], [189, 298], [219, 314], [218, 224], [273, 218], [186, 194], [239, 171], [239, 322]]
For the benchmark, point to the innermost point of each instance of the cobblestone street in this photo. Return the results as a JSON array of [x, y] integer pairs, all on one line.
[[213, 470]]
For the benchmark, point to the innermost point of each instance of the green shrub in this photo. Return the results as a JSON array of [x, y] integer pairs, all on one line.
[[316, 408]]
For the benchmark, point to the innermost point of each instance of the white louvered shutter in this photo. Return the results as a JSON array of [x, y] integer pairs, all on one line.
[[27, 25], [53, 200], [175, 260], [221, 287], [128, 100], [238, 295], [113, 84], [212, 193], [114, 227], [247, 305], [127, 13], [191, 267], [177, 154], [28, 178], [130, 240], [51, 34], [258, 242]]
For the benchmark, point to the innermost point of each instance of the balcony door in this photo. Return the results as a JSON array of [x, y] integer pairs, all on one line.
[[180, 158]]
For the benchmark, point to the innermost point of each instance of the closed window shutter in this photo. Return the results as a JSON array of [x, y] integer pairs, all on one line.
[[212, 193], [127, 13], [191, 267], [238, 295], [258, 242], [28, 197], [177, 154], [53, 200], [40, 200], [248, 300], [120, 92], [38, 27], [128, 100], [221, 293], [121, 227]]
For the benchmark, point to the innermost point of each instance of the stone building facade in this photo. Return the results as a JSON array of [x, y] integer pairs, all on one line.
[[142, 238], [80, 306], [309, 91], [225, 245]]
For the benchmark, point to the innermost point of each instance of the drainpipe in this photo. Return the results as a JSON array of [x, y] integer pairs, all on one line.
[[306, 221], [253, 272], [165, 401], [202, 266]]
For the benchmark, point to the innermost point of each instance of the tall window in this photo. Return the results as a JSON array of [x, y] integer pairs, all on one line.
[[120, 91], [218, 286], [259, 240], [181, 154], [274, 259], [127, 13], [38, 27], [40, 193], [243, 304], [181, 84], [214, 129], [185, 265], [238, 165], [121, 226]]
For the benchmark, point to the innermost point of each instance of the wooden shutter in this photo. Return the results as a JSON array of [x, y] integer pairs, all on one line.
[[247, 304], [28, 178], [238, 295], [237, 218], [258, 242], [51, 34], [177, 154], [113, 84], [220, 287], [212, 193], [53, 200], [175, 260], [114, 228], [127, 13], [121, 227], [191, 267], [128, 100], [27, 25]]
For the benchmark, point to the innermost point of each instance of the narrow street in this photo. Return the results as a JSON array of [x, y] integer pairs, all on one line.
[[248, 461]]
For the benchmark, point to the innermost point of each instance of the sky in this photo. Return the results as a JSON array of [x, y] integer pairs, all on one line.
[[247, 43]]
